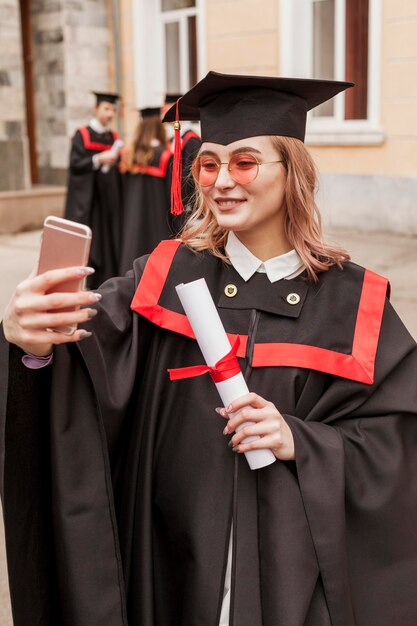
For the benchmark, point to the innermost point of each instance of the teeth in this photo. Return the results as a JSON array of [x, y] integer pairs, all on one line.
[[228, 202]]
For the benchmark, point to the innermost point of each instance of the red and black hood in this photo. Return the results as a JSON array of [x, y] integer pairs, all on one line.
[[331, 326]]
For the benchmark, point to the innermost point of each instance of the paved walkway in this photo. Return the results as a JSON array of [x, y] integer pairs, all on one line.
[[393, 256]]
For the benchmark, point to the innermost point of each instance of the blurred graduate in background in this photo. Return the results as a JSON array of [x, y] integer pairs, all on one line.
[[93, 196], [146, 168]]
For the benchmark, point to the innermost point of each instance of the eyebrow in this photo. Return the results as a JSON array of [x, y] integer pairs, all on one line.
[[237, 151]]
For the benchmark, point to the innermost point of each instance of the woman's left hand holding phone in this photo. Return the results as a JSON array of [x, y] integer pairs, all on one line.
[[35, 307]]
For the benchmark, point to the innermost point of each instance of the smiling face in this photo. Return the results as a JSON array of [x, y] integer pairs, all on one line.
[[254, 211]]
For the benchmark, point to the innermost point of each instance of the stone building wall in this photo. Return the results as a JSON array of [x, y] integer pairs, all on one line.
[[49, 88], [13, 142], [71, 52], [88, 53]]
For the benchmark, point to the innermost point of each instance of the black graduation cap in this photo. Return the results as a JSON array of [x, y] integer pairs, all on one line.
[[150, 111], [232, 107], [170, 98], [106, 97]]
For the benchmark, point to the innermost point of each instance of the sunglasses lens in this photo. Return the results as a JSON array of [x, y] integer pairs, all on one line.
[[205, 171], [243, 168]]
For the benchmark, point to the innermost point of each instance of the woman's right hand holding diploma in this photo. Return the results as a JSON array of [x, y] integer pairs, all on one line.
[[268, 424], [31, 311]]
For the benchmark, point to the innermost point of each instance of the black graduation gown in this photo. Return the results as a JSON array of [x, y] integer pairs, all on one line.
[[93, 198], [141, 488], [146, 193]]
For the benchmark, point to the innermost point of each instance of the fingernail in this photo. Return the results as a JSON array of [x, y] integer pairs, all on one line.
[[96, 297], [92, 313], [83, 271], [229, 408], [230, 444], [84, 335], [226, 430], [218, 410], [235, 449]]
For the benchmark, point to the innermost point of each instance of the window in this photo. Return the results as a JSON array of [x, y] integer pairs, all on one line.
[[173, 5], [169, 52], [323, 48], [336, 40], [179, 20]]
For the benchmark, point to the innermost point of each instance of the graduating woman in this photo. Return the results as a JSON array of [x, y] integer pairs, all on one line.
[[124, 503], [146, 168]]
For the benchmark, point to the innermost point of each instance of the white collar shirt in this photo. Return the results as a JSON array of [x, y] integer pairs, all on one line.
[[98, 126], [287, 266]]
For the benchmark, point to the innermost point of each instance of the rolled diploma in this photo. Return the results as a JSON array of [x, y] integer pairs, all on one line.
[[214, 344], [117, 145]]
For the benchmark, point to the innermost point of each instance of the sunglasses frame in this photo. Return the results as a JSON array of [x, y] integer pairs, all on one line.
[[220, 163]]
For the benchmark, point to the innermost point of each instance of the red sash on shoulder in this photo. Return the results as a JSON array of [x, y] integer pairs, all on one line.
[[190, 134], [92, 145], [159, 171]]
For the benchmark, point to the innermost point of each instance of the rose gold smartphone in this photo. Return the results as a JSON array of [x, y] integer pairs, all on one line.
[[64, 244]]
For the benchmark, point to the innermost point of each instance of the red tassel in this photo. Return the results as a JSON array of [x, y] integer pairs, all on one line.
[[176, 184]]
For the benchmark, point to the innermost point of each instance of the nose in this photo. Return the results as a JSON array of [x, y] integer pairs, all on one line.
[[224, 179]]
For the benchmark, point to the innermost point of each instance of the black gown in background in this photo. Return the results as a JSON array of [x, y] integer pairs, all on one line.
[[93, 198], [146, 198], [119, 488], [190, 145]]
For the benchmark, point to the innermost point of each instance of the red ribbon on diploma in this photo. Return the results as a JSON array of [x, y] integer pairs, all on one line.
[[227, 367]]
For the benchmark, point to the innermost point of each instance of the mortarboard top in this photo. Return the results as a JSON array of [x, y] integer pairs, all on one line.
[[150, 112], [106, 97], [232, 107], [170, 98]]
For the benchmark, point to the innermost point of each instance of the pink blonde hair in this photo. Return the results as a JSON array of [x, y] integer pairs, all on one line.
[[302, 222]]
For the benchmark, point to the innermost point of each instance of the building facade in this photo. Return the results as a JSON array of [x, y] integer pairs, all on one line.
[[52, 54], [364, 142]]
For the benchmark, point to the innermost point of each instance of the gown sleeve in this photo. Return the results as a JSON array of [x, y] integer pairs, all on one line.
[[81, 160], [25, 488], [356, 459], [59, 427], [116, 353]]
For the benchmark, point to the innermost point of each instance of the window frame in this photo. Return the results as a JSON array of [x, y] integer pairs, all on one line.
[[296, 34], [179, 16], [149, 48]]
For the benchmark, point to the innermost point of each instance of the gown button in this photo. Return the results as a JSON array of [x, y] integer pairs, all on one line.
[[230, 291], [293, 298]]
